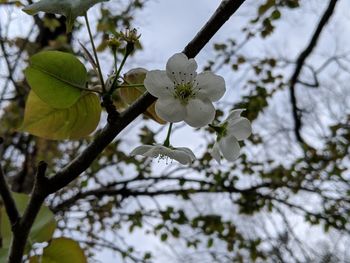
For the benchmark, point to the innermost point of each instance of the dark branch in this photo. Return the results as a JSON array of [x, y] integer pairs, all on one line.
[[124, 192], [299, 65], [221, 15], [8, 201], [22, 229]]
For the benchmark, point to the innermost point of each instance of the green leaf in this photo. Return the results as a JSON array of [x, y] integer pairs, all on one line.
[[56, 78], [42, 229], [264, 7], [75, 122], [71, 9], [292, 3], [61, 250], [164, 237], [147, 256], [210, 243], [276, 14], [3, 254]]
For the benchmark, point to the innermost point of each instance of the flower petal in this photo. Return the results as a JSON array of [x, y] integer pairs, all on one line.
[[199, 112], [229, 147], [158, 84], [210, 85], [234, 114], [157, 150], [215, 152], [181, 69], [141, 150], [240, 128], [181, 156], [188, 151], [170, 110]]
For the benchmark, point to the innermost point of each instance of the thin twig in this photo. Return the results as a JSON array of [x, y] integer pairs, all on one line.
[[299, 65], [95, 52]]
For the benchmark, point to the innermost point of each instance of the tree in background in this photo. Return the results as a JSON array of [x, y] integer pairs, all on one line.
[[90, 194]]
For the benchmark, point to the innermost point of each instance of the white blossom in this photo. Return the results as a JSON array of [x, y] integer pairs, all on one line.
[[182, 94], [235, 128], [181, 154]]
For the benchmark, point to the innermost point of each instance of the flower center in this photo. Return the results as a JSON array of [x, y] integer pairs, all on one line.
[[165, 157], [184, 92]]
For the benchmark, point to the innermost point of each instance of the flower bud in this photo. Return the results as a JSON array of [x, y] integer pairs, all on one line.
[[131, 37], [113, 43]]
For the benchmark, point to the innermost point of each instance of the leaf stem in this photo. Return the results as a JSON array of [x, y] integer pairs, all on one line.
[[114, 86], [95, 52], [132, 85], [167, 139], [91, 90], [115, 58]]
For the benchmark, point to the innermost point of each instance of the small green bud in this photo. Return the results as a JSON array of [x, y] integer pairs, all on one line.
[[114, 43], [131, 38]]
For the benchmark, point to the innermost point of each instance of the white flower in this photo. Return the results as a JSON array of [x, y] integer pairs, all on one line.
[[235, 128], [182, 94], [182, 155]]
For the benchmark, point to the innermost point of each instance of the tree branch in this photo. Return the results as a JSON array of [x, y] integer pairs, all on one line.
[[124, 192], [299, 65], [22, 229], [226, 9], [8, 201]]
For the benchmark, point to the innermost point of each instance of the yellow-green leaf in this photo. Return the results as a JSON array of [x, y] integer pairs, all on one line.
[[56, 77], [151, 113], [61, 250], [74, 122], [130, 94], [42, 229], [3, 254]]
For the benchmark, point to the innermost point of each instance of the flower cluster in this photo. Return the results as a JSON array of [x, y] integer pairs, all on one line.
[[184, 95]]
